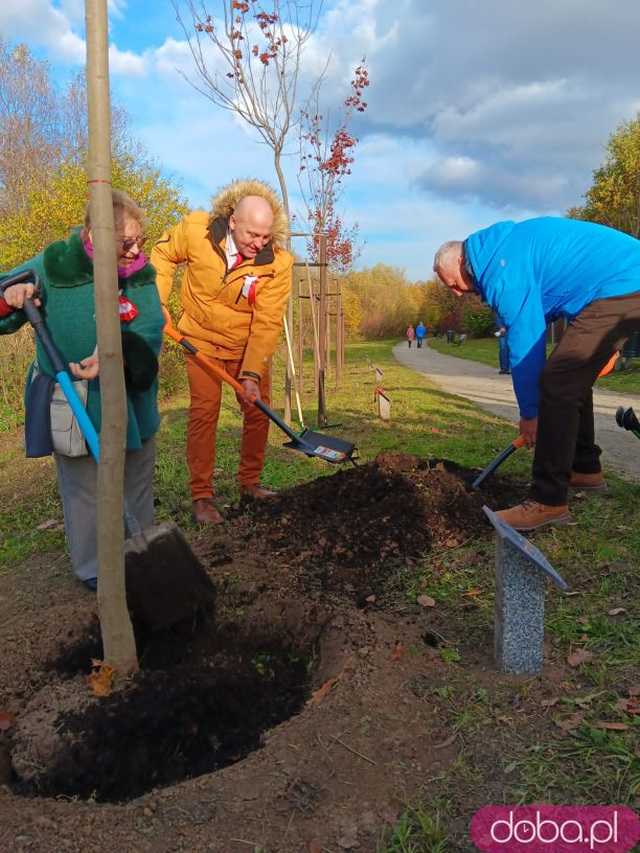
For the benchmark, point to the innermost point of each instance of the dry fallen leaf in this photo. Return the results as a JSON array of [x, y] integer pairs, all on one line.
[[629, 706], [447, 742], [318, 695], [49, 524], [6, 721], [100, 680], [634, 691], [474, 592], [549, 703], [579, 657], [398, 651], [617, 611], [426, 601], [614, 727], [568, 724]]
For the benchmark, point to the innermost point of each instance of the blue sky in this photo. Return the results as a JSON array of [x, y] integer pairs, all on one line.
[[477, 111]]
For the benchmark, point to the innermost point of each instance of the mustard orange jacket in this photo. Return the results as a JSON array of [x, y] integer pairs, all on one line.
[[217, 315]]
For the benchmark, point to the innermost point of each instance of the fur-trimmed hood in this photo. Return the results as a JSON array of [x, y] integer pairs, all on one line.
[[225, 201]]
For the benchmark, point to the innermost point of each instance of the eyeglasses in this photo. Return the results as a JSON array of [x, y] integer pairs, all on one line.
[[129, 242]]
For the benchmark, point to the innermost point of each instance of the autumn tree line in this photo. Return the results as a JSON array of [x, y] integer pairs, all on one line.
[[43, 149]]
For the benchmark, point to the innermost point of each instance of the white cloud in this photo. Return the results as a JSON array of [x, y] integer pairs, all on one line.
[[41, 23], [126, 62]]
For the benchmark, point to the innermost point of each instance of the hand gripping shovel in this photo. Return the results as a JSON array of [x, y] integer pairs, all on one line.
[[310, 443], [165, 581], [500, 458]]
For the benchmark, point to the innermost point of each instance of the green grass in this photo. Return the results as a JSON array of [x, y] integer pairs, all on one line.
[[510, 746], [417, 831], [485, 350]]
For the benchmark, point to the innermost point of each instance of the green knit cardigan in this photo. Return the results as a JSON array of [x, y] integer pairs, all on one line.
[[67, 294]]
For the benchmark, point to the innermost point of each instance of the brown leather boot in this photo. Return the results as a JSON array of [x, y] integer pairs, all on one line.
[[530, 515], [588, 482], [257, 491], [204, 512]]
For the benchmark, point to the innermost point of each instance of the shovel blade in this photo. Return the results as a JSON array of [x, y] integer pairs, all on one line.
[[166, 583], [327, 447]]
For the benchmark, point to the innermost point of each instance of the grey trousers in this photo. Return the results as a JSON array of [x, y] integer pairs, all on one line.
[[77, 482]]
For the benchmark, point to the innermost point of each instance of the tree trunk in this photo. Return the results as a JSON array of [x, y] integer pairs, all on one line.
[[117, 633]]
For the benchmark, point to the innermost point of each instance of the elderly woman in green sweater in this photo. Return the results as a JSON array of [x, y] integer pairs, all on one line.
[[66, 296]]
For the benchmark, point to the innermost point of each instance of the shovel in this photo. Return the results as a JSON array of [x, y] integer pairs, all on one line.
[[165, 581], [310, 443], [626, 419], [495, 463]]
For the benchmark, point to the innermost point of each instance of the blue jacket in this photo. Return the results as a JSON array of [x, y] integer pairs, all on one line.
[[420, 330], [535, 271]]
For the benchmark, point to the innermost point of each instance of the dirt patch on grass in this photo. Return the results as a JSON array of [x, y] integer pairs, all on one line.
[[298, 722]]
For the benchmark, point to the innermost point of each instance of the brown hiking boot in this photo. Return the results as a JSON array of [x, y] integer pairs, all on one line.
[[204, 512], [257, 491], [530, 515], [588, 482]]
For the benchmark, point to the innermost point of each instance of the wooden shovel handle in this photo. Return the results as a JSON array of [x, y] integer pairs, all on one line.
[[610, 365], [173, 333]]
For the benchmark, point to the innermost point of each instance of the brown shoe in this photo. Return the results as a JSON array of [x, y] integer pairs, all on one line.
[[257, 491], [530, 515], [204, 512], [588, 482]]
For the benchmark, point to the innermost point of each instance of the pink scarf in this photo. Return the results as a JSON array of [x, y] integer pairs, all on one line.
[[123, 272]]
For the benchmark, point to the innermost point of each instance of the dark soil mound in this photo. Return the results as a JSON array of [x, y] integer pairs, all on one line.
[[355, 518], [355, 528]]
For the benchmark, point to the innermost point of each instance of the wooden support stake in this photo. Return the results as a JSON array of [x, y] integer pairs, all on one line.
[[300, 338], [314, 322], [339, 330], [292, 367], [322, 333]]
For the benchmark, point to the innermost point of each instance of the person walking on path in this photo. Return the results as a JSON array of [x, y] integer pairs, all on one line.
[[234, 292], [411, 335], [503, 350], [421, 333], [66, 297], [531, 273]]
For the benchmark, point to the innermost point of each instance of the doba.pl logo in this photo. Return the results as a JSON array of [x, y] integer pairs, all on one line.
[[555, 829]]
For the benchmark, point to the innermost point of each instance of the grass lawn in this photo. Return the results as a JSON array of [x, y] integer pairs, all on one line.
[[485, 350], [526, 740]]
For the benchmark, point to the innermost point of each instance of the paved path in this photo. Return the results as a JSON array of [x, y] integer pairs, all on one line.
[[484, 385]]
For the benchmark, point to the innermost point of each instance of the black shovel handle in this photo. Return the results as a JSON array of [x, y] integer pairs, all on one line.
[[497, 462]]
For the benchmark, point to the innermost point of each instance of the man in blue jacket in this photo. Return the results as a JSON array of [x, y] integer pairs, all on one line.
[[421, 333], [531, 273]]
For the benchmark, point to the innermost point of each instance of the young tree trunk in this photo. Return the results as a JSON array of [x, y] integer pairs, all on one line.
[[117, 633]]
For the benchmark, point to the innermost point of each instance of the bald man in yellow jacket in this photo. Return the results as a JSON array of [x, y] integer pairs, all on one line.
[[234, 292]]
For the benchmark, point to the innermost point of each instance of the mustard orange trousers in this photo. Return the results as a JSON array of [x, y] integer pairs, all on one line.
[[206, 396]]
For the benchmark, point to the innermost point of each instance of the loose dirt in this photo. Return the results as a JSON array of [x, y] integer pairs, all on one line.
[[299, 715]]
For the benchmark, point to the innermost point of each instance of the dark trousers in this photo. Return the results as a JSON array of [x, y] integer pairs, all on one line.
[[566, 439], [419, 342], [503, 354]]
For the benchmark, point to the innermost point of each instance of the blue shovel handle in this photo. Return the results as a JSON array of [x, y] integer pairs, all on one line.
[[84, 421], [87, 428]]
